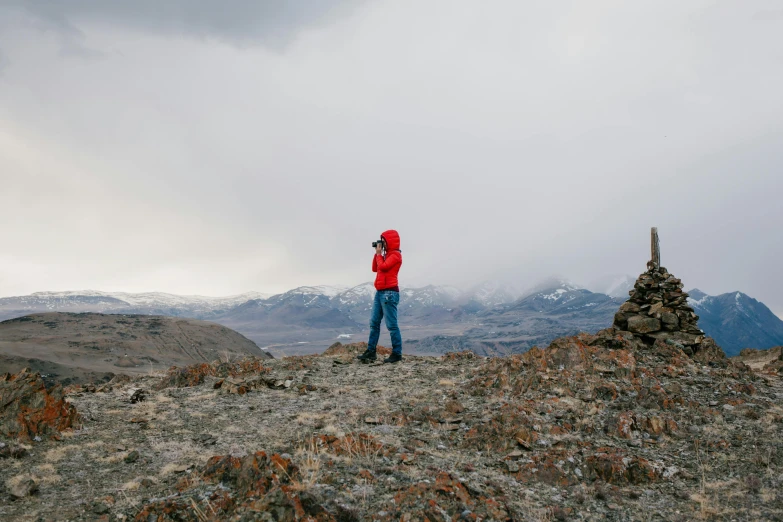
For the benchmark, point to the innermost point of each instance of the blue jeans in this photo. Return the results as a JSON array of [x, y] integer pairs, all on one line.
[[385, 305]]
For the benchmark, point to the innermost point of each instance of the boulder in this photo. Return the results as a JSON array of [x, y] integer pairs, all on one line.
[[643, 325], [28, 409], [24, 488], [630, 307], [686, 339], [670, 320]]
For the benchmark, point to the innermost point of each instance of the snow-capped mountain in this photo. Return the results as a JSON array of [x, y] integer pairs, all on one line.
[[493, 321], [325, 290], [59, 301], [146, 299], [158, 299], [549, 284], [564, 298], [736, 321], [431, 295], [121, 302], [306, 306], [357, 301], [358, 294]]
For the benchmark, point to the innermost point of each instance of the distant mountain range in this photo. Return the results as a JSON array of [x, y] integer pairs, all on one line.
[[547, 311], [488, 319], [151, 303], [737, 321]]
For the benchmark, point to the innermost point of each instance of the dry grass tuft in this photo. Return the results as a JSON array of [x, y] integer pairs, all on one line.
[[132, 485], [206, 396], [59, 453], [113, 459], [18, 479], [48, 474], [331, 429], [309, 460]]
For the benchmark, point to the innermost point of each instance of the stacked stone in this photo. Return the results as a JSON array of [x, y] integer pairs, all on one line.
[[658, 309]]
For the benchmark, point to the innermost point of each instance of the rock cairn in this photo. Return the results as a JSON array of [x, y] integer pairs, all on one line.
[[658, 309]]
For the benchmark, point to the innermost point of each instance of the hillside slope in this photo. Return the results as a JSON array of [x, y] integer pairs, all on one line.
[[69, 346]]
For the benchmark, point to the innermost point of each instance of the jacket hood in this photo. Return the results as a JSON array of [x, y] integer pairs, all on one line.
[[392, 240]]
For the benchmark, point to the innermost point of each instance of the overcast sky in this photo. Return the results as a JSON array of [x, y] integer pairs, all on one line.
[[213, 148]]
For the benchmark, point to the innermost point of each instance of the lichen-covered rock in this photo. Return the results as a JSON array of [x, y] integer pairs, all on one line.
[[615, 467], [445, 498], [195, 374], [28, 409], [239, 488]]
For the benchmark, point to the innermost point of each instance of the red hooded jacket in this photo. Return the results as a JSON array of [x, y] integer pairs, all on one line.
[[389, 265]]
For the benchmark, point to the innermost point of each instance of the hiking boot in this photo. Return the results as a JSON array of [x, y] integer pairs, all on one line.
[[393, 358], [367, 356]]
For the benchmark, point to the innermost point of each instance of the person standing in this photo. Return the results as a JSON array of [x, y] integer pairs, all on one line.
[[386, 263]]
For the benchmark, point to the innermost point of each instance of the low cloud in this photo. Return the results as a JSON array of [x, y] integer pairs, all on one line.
[[269, 22], [215, 152]]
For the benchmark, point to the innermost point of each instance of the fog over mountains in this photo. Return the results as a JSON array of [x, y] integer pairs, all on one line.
[[488, 319]]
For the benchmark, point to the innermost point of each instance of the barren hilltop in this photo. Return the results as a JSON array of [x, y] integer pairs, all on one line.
[[647, 420], [89, 347]]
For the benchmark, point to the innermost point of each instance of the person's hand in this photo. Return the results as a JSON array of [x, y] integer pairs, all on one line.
[[379, 250]]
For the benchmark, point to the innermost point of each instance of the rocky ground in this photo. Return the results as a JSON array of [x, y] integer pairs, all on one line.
[[595, 427]]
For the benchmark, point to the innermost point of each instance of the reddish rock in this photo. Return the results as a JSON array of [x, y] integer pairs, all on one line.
[[446, 497], [621, 361], [606, 391], [459, 356], [554, 467], [625, 425], [454, 407], [366, 475], [258, 483], [28, 409], [353, 349], [509, 429], [352, 444], [195, 374], [615, 467], [567, 353]]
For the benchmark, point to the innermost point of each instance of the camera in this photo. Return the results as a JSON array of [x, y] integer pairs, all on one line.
[[376, 243]]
